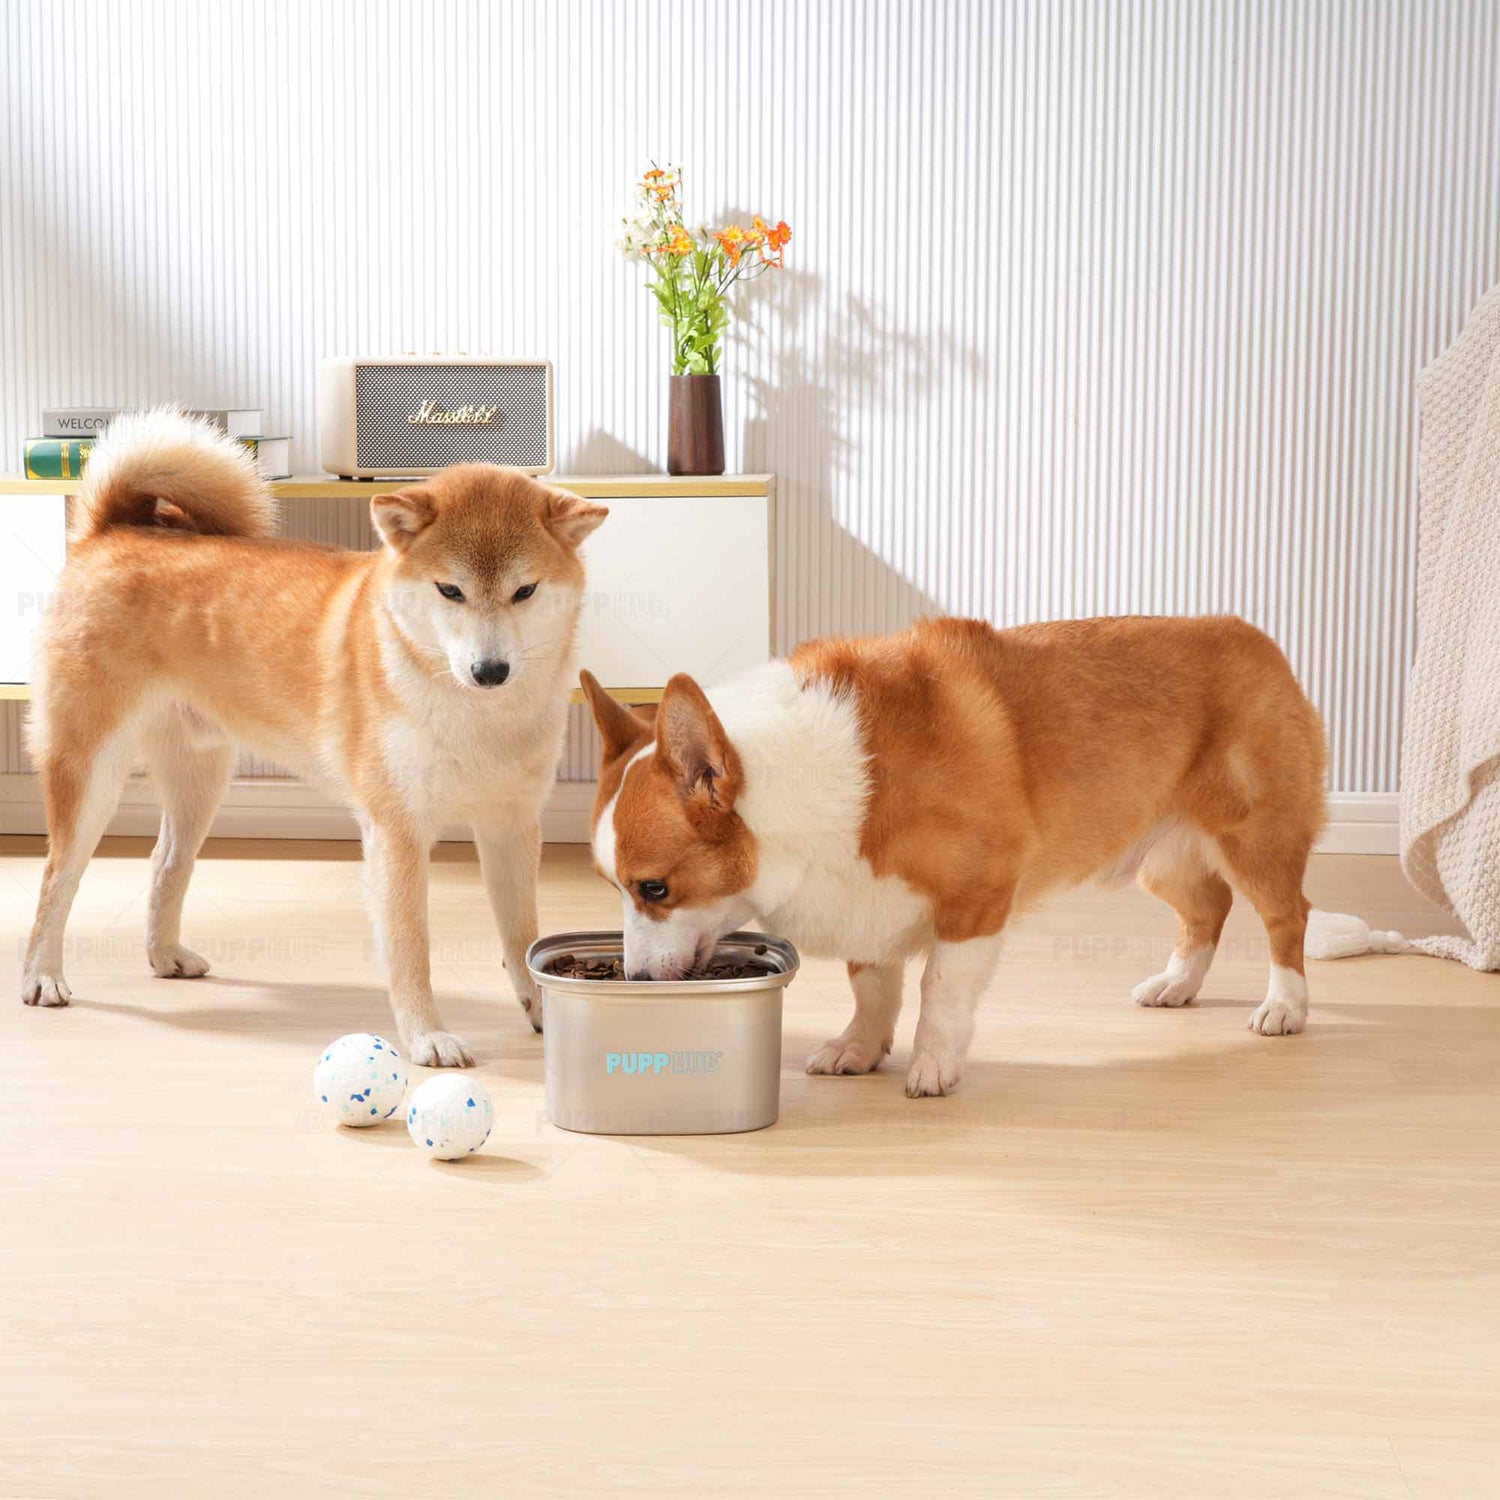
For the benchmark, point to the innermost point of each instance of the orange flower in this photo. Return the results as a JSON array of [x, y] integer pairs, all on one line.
[[770, 241], [681, 242], [731, 239], [654, 173]]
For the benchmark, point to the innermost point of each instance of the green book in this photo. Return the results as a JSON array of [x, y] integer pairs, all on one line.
[[64, 458], [57, 458]]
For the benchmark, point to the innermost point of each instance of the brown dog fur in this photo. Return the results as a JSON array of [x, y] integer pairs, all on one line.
[[1001, 765], [181, 628]]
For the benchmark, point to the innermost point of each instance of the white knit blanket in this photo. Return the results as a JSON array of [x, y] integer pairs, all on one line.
[[1450, 778]]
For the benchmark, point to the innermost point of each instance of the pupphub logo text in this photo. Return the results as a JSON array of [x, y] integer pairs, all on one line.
[[653, 1063]]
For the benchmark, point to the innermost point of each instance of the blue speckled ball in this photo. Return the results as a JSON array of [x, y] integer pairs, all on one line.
[[450, 1116], [359, 1080]]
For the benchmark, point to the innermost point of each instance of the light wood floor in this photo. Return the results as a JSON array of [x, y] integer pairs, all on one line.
[[1141, 1253]]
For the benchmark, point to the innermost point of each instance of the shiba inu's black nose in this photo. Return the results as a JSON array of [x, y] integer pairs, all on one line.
[[490, 673]]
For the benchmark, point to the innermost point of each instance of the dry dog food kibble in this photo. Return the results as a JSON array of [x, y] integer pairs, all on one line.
[[568, 966]]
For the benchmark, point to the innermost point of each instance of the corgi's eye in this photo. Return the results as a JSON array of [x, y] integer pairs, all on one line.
[[653, 890], [451, 591], [524, 592]]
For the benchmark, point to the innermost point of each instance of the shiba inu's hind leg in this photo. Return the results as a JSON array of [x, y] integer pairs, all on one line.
[[190, 764], [83, 768], [1177, 869]]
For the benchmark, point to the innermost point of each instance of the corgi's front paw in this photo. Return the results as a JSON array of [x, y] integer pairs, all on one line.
[[439, 1049], [847, 1055], [45, 989], [177, 962], [932, 1075]]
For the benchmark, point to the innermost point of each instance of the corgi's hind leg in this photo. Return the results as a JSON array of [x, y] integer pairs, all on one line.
[[1177, 869], [190, 764], [81, 784], [1267, 859]]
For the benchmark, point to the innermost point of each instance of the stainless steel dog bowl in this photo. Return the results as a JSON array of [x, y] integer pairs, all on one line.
[[662, 1057]]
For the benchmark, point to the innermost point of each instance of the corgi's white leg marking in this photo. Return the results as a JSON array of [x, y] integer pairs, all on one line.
[[867, 1038], [1179, 982], [190, 777], [396, 862], [509, 856], [955, 976], [68, 854], [1284, 1010]]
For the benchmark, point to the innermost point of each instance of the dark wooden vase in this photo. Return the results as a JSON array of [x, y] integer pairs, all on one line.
[[695, 433]]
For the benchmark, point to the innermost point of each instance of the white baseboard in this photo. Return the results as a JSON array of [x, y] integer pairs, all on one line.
[[1362, 823], [1358, 823], [272, 808]]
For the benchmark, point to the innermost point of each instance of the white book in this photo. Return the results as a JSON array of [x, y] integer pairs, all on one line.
[[78, 421], [236, 421], [272, 455]]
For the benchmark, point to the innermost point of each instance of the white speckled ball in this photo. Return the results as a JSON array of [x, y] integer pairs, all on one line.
[[450, 1116], [359, 1080]]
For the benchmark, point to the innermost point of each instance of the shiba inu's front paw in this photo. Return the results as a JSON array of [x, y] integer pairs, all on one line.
[[177, 963], [439, 1049], [932, 1075], [44, 989], [529, 998], [847, 1055]]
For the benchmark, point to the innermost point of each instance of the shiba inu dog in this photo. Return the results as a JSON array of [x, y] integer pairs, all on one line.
[[425, 682], [874, 800]]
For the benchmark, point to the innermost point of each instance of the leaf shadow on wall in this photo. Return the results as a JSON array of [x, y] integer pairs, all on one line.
[[824, 387]]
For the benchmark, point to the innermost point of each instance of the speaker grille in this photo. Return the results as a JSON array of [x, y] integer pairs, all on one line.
[[385, 396]]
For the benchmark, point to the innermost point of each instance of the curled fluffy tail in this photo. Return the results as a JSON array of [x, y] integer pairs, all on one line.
[[160, 468]]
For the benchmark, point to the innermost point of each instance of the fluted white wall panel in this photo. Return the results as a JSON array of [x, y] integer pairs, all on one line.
[[1092, 307]]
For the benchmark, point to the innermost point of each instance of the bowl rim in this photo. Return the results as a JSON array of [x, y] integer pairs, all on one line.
[[545, 948]]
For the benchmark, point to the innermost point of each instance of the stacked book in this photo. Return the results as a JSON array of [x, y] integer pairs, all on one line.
[[70, 432]]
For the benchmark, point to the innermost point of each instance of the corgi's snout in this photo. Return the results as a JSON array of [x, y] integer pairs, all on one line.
[[489, 673]]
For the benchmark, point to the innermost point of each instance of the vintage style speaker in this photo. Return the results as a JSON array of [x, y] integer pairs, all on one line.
[[411, 415]]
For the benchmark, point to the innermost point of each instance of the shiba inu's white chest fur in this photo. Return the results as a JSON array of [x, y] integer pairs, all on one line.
[[804, 800], [456, 752]]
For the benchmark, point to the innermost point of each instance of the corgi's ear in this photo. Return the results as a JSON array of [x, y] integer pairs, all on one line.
[[694, 750], [620, 728], [402, 515], [570, 518]]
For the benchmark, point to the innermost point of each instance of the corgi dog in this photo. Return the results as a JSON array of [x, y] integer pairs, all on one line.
[[877, 800], [421, 683]]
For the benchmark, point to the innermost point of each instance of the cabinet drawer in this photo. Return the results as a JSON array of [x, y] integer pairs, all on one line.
[[677, 583], [33, 535]]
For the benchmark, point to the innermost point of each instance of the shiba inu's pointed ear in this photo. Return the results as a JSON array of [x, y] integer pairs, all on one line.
[[692, 747], [401, 515], [570, 518], [620, 728]]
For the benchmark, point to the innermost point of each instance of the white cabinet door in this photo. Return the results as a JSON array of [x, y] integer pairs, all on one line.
[[677, 584], [32, 539]]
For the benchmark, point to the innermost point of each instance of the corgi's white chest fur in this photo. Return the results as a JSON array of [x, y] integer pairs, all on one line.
[[804, 798]]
